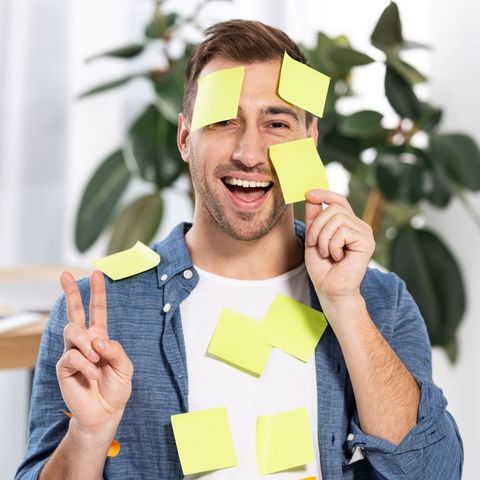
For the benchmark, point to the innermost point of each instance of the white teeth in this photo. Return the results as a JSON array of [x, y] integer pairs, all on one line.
[[246, 183]]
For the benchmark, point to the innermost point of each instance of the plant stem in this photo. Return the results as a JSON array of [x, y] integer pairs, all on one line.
[[374, 210], [468, 207]]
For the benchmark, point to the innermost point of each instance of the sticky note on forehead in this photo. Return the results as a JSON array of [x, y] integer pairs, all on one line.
[[299, 168], [303, 86], [218, 96]]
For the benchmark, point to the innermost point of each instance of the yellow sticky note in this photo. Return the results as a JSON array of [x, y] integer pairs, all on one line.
[[218, 96], [303, 86], [129, 262], [204, 441], [299, 168], [284, 441], [293, 327], [236, 341]]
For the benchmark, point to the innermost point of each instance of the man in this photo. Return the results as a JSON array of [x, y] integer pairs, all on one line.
[[374, 410]]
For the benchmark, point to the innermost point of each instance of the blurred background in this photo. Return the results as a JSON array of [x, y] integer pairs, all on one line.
[[399, 137]]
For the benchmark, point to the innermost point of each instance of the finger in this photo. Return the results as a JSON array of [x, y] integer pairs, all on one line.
[[327, 196], [345, 237], [98, 300], [317, 224], [72, 362], [114, 354], [312, 211], [75, 310], [77, 337]]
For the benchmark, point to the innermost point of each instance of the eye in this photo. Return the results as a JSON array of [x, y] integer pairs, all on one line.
[[223, 123], [279, 125]]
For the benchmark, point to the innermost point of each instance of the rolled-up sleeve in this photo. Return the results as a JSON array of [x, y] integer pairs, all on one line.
[[433, 449]]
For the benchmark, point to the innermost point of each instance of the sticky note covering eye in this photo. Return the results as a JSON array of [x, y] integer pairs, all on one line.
[[299, 168], [293, 327], [218, 96], [204, 441], [236, 341], [137, 259], [303, 86], [284, 441]]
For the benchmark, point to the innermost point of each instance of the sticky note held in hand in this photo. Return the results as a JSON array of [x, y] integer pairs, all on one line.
[[284, 441], [293, 327], [299, 168], [218, 96], [204, 441], [137, 259], [236, 341], [303, 86]]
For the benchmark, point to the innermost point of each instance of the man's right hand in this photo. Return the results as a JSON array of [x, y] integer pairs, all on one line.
[[94, 373]]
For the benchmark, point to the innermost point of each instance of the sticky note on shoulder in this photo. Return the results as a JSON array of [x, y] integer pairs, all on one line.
[[236, 341], [299, 168], [218, 96], [293, 327], [133, 261], [284, 441], [303, 86], [204, 441]]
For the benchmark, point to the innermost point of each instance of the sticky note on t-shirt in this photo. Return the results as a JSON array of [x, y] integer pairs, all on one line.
[[137, 259], [293, 327], [284, 441], [218, 96], [204, 441], [299, 168], [236, 341], [303, 86]]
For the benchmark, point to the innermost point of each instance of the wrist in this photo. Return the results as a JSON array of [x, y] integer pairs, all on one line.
[[343, 308], [97, 437]]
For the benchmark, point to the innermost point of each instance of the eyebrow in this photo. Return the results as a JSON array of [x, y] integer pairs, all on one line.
[[276, 110]]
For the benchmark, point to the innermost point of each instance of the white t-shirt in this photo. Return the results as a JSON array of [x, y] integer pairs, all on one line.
[[286, 384]]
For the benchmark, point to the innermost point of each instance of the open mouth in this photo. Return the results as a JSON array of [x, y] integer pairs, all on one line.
[[247, 190]]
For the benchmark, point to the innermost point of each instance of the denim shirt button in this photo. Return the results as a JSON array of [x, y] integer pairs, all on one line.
[[164, 277], [187, 274], [350, 437], [167, 307]]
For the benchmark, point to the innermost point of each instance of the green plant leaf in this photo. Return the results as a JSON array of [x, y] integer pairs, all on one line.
[[387, 33], [401, 96], [433, 278], [460, 157], [153, 144], [349, 58], [169, 90], [430, 117], [365, 123], [407, 71], [440, 191], [159, 26], [103, 87], [411, 44], [137, 221], [128, 51], [99, 199]]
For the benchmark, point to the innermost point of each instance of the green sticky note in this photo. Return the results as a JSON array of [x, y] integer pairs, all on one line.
[[284, 441], [293, 327], [218, 96], [204, 441], [129, 262], [236, 341], [299, 168], [303, 86]]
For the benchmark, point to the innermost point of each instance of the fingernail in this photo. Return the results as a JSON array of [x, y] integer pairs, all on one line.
[[93, 356], [102, 344]]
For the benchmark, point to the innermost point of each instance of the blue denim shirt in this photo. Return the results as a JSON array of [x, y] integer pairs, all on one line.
[[152, 337]]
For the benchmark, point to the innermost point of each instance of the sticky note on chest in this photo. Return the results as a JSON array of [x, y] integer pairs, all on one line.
[[236, 341], [299, 168], [303, 86], [218, 96], [293, 327], [137, 259], [204, 441], [284, 441]]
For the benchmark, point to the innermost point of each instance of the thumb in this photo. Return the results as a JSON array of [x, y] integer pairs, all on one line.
[[312, 211], [114, 354]]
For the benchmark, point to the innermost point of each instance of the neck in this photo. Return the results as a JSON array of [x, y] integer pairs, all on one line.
[[215, 251]]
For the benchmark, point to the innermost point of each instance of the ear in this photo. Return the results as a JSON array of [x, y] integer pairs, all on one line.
[[313, 129], [183, 137]]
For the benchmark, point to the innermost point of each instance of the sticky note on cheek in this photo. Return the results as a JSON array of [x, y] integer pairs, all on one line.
[[303, 86], [137, 259], [299, 168], [218, 96], [204, 441]]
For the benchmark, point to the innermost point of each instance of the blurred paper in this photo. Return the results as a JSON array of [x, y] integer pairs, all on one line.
[[218, 96], [204, 441], [11, 322], [293, 327], [137, 259], [299, 168], [236, 341], [303, 86], [284, 441]]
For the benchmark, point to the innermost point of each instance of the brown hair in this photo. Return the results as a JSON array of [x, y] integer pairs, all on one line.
[[243, 41]]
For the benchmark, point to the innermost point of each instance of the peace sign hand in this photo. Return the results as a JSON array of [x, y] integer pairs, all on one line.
[[94, 372]]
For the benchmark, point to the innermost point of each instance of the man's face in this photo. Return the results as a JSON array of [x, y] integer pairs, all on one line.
[[235, 184]]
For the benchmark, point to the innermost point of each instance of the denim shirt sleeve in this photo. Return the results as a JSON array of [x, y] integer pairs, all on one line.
[[433, 448]]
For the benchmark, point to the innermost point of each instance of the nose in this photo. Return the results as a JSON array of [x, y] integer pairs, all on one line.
[[250, 151]]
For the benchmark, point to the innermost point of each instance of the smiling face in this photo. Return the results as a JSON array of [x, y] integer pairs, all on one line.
[[235, 185]]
